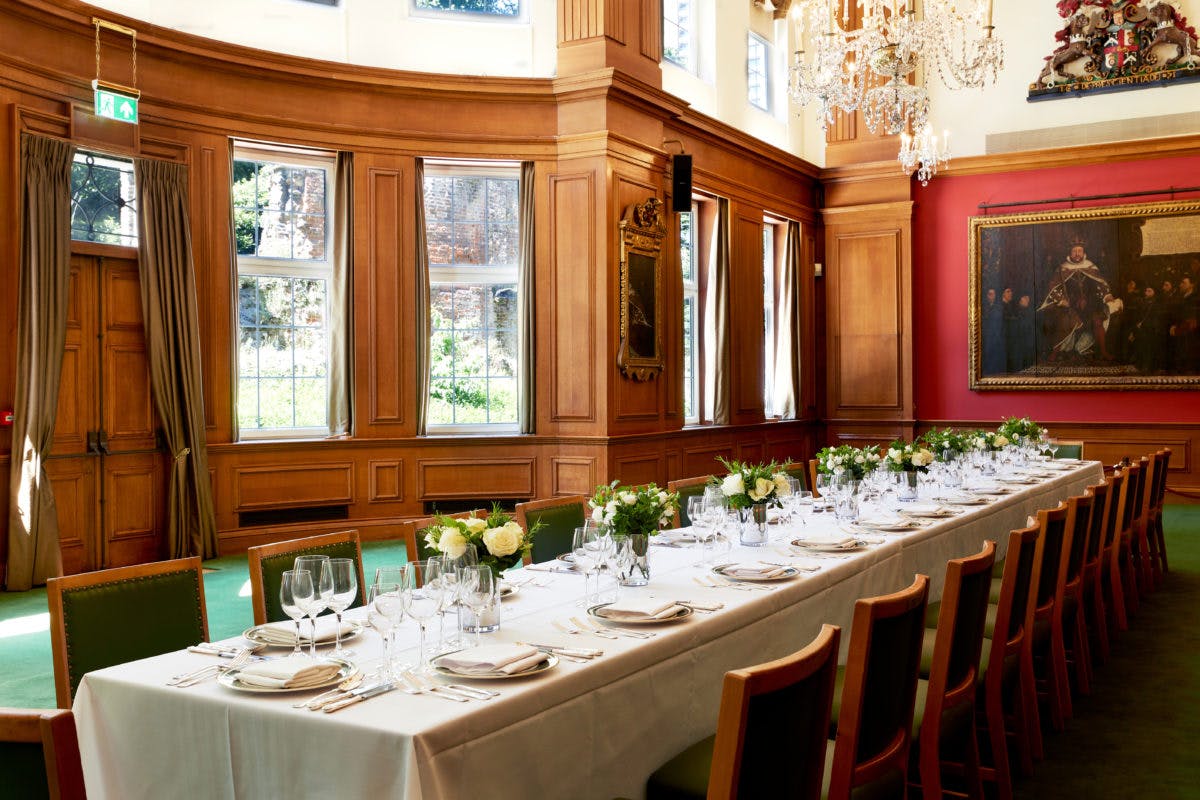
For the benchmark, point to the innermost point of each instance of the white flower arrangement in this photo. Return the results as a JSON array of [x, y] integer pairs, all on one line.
[[499, 541], [627, 510], [908, 457], [753, 484]]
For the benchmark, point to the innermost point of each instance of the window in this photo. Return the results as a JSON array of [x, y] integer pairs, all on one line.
[[282, 205], [508, 9], [691, 315], [769, 303], [758, 82], [103, 206], [471, 220], [679, 33]]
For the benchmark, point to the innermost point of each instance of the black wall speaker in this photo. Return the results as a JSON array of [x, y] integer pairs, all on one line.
[[681, 183]]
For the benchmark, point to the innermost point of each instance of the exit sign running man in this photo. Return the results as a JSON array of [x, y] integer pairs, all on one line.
[[114, 105]]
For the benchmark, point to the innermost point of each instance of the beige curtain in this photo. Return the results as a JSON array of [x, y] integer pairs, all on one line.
[[787, 329], [526, 416], [716, 320], [45, 234], [341, 334], [173, 345], [423, 298]]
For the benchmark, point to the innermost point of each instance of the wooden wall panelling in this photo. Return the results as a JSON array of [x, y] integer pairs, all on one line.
[[134, 514], [74, 483], [287, 485], [571, 474], [746, 302], [483, 477], [385, 480]]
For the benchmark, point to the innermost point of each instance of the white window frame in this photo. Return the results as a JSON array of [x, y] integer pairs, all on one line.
[[691, 292], [474, 275], [690, 32], [753, 40], [770, 264], [484, 17], [291, 268]]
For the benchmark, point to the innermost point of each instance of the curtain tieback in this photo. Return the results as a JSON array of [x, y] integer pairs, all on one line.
[[182, 454]]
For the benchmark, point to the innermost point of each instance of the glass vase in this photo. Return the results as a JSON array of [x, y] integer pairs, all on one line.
[[753, 530], [635, 562], [907, 489]]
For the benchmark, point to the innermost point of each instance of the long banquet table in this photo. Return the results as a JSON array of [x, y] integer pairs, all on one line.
[[593, 730]]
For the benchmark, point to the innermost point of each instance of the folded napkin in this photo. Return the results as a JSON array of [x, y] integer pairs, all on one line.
[[886, 523], [284, 633], [926, 510], [551, 566], [291, 672], [641, 609], [828, 540], [507, 658], [753, 571]]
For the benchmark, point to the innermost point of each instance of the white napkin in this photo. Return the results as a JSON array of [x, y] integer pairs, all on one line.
[[753, 571], [641, 609], [886, 523], [291, 672], [284, 633], [829, 540], [925, 509], [551, 566], [507, 658]]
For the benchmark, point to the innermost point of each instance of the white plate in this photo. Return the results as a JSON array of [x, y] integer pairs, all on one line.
[[254, 635], [787, 574], [230, 680], [930, 513], [594, 611], [996, 492], [828, 547], [902, 526], [550, 662], [968, 501]]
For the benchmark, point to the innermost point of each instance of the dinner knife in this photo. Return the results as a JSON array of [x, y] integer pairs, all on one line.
[[358, 695], [577, 652]]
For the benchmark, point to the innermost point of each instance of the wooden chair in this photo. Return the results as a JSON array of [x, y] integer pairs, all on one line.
[[874, 729], [812, 476], [268, 562], [1110, 579], [799, 471], [414, 541], [1049, 652], [1095, 612], [100, 619], [1126, 543], [771, 732], [1008, 698], [1076, 650], [1154, 533], [1143, 571], [39, 754], [1068, 448], [946, 721], [687, 487], [560, 516]]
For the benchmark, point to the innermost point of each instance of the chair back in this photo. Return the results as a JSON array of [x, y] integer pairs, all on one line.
[[100, 619], [799, 471], [812, 476], [962, 619], [1014, 610], [687, 487], [560, 516], [268, 562], [1113, 512], [1068, 449], [1101, 497], [1129, 505], [39, 755], [1053, 572], [879, 691], [772, 728], [1162, 460], [415, 546], [1079, 520], [1144, 490]]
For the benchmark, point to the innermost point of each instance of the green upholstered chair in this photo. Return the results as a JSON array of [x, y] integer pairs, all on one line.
[[687, 487], [99, 619], [944, 725], [1110, 560], [799, 471], [559, 516], [1067, 449], [1094, 611], [1076, 650], [874, 729], [268, 562], [414, 537], [39, 755], [1049, 652], [1154, 526], [770, 739]]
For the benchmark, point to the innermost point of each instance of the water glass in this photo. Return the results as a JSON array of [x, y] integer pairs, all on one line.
[[386, 604], [426, 598], [802, 504], [339, 576], [315, 566], [584, 551], [479, 593], [295, 594]]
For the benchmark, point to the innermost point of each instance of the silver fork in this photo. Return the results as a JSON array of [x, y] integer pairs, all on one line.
[[590, 627], [210, 671], [753, 587], [567, 627], [708, 582], [413, 684]]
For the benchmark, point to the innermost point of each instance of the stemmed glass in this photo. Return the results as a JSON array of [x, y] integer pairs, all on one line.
[[802, 503], [343, 589], [295, 593], [451, 567], [477, 591], [386, 604], [583, 548], [314, 565], [426, 598]]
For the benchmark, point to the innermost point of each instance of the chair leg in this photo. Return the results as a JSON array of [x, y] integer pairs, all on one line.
[[1030, 718], [1116, 598], [1162, 543], [1061, 688], [1000, 771], [1098, 620], [1080, 651], [1129, 587]]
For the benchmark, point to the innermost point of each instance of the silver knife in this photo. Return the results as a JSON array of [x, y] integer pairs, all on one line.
[[358, 695], [577, 652]]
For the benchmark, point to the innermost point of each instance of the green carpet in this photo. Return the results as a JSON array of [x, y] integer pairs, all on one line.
[[27, 674]]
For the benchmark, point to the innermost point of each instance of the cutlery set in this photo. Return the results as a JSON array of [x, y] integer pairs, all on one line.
[[716, 582], [210, 670], [408, 682]]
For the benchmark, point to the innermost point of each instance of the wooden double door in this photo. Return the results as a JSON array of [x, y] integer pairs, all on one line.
[[107, 468]]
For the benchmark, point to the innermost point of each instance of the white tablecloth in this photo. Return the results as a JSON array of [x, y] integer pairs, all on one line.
[[594, 730]]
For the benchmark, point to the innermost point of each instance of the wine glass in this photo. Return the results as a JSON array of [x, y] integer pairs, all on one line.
[[802, 504], [695, 507], [295, 592], [478, 593], [426, 597], [343, 585], [386, 604], [583, 551], [451, 567], [314, 566]]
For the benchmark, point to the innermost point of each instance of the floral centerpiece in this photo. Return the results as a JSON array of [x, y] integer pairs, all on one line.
[[1021, 430], [846, 460], [987, 441], [752, 484], [904, 456], [628, 510], [945, 440], [499, 541]]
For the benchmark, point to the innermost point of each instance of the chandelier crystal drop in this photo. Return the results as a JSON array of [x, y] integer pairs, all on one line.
[[866, 54], [921, 154]]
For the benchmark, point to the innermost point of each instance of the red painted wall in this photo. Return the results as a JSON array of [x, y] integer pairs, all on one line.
[[940, 296]]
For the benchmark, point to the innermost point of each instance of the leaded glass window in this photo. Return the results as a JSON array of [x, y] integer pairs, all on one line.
[[103, 206]]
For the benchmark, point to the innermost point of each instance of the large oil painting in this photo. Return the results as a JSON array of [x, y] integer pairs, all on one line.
[[1086, 298]]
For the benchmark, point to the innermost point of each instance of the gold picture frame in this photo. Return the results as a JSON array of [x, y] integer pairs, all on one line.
[[1095, 298], [640, 355]]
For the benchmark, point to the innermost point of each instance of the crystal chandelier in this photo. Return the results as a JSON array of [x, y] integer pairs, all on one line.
[[920, 154], [872, 67]]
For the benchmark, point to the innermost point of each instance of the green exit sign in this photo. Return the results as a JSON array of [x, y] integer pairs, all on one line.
[[114, 105]]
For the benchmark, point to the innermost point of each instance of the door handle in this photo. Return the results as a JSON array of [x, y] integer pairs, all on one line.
[[102, 442]]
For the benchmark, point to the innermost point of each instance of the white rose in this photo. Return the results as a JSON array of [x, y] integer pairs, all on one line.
[[475, 525], [628, 498], [980, 443], [1001, 441], [782, 487], [733, 485], [762, 489], [598, 513], [894, 454], [503, 541], [662, 497], [452, 543], [839, 470], [860, 459]]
